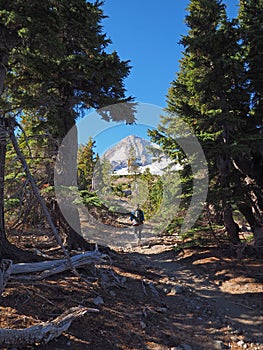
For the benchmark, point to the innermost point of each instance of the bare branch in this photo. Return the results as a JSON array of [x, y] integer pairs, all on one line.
[[39, 197]]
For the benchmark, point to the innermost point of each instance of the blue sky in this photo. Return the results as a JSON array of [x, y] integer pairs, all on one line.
[[146, 32]]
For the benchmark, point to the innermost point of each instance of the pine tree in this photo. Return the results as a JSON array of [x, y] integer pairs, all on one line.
[[21, 28], [209, 94], [86, 164], [154, 186], [132, 162], [54, 65], [251, 162], [251, 19]]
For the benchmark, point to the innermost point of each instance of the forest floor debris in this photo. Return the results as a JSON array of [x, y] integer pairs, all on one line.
[[196, 298]]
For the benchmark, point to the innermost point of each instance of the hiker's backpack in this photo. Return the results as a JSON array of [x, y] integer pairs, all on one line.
[[138, 216]]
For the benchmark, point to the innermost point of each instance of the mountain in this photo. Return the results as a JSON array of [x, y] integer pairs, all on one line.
[[118, 155]]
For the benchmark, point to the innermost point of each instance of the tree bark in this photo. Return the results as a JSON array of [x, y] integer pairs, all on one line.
[[231, 226], [2, 172], [66, 176], [248, 214], [73, 239], [256, 227], [3, 134], [5, 246]]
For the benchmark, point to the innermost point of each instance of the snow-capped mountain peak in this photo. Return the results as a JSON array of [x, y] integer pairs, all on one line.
[[119, 154]]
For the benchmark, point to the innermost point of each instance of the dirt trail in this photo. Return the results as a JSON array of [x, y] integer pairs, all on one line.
[[149, 298], [211, 295], [211, 300]]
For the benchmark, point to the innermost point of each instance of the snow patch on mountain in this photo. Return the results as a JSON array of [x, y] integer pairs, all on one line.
[[118, 156]]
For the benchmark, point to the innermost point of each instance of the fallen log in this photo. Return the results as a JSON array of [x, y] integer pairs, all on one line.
[[43, 332], [26, 271]]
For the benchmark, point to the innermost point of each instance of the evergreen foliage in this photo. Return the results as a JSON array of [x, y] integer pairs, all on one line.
[[54, 65], [154, 185], [133, 164], [214, 93], [86, 164]]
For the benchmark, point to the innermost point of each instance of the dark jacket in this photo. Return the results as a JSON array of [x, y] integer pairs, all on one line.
[[139, 219]]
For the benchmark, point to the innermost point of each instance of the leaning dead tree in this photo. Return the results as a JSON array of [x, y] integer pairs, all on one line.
[[36, 191], [43, 332]]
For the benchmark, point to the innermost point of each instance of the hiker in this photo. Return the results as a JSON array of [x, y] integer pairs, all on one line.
[[137, 218]]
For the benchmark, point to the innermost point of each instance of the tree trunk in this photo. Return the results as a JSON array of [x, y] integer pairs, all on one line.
[[4, 244], [256, 227], [7, 250], [66, 176], [248, 214], [231, 226], [258, 237], [73, 239], [3, 134], [2, 173]]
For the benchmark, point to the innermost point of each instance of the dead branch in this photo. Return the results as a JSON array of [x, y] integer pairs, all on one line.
[[39, 197], [43, 332], [24, 271], [26, 138]]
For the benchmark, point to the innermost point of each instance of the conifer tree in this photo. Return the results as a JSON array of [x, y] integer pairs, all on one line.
[[209, 94], [54, 65], [21, 28], [251, 161], [251, 19], [86, 164], [132, 163]]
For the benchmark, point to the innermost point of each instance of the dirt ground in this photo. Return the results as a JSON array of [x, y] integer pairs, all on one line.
[[149, 297]]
